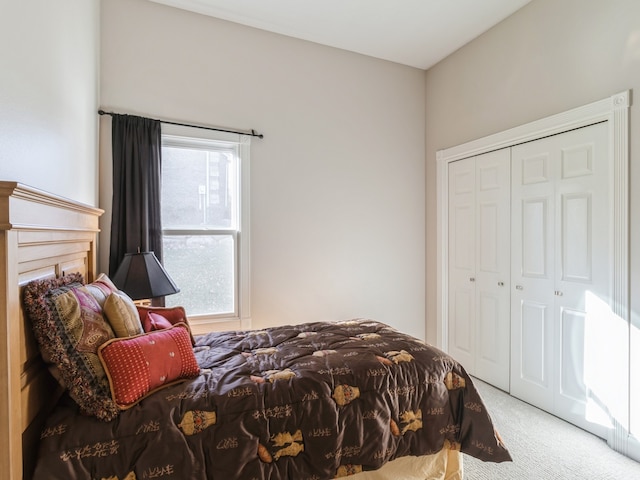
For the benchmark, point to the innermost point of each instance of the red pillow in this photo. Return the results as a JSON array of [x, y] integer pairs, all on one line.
[[155, 321], [172, 314], [138, 366]]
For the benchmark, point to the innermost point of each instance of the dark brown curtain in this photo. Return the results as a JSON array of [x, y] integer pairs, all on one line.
[[135, 220]]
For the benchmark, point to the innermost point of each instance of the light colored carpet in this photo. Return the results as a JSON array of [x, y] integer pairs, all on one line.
[[544, 447]]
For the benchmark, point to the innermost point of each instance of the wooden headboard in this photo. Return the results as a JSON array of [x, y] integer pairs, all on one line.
[[41, 236]]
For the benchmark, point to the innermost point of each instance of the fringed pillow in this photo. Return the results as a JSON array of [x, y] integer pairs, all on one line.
[[69, 327]]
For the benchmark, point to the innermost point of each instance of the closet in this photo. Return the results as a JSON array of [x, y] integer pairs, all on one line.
[[529, 247], [569, 329]]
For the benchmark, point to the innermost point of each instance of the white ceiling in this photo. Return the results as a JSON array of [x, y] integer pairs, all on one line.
[[418, 33]]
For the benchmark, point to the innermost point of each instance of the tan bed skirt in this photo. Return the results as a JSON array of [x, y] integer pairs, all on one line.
[[446, 465]]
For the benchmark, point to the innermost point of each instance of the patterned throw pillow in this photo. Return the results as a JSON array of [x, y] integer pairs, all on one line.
[[138, 366], [68, 324], [101, 288], [122, 315]]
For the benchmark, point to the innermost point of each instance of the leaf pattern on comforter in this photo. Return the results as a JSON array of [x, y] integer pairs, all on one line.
[[308, 401]]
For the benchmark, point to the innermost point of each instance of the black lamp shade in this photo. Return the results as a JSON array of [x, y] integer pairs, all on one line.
[[141, 276]]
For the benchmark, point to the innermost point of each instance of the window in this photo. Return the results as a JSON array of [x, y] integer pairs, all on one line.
[[205, 225]]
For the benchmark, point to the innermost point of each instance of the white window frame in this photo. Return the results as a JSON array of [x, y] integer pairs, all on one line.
[[240, 319]]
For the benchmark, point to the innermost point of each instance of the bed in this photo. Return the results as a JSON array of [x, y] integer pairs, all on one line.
[[309, 401]]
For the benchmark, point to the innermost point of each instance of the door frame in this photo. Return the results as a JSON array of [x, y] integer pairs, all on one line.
[[615, 111]]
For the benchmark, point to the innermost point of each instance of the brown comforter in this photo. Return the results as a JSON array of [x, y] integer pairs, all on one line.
[[311, 401]]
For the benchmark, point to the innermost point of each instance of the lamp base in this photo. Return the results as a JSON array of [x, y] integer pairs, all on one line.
[[158, 302]]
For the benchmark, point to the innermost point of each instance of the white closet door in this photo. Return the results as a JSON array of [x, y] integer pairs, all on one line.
[[561, 240], [532, 274], [462, 303], [479, 255], [493, 242]]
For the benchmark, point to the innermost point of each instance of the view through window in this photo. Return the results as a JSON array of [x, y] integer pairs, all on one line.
[[200, 219]]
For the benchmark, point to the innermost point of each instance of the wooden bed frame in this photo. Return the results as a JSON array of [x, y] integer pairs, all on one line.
[[41, 236]]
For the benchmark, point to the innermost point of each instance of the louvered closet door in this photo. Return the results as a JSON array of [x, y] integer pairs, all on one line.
[[479, 213], [560, 276]]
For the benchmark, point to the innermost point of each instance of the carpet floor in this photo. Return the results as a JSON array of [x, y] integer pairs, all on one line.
[[544, 447]]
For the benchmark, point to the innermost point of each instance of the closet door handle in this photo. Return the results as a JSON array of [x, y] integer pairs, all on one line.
[[501, 284], [472, 279], [519, 287], [558, 293]]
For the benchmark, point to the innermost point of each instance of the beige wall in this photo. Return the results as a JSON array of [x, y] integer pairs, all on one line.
[[337, 184], [549, 57], [49, 95]]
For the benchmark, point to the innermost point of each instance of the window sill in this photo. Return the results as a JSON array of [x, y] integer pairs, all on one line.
[[201, 326]]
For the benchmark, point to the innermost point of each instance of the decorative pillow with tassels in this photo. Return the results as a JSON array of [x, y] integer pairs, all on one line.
[[67, 321]]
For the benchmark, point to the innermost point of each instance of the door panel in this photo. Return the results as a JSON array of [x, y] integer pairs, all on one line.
[[488, 326], [535, 169], [534, 345], [488, 259], [463, 253], [577, 161], [535, 232], [572, 354], [462, 314], [561, 239], [576, 237], [583, 256], [493, 325], [531, 374], [532, 267], [462, 262], [479, 265]]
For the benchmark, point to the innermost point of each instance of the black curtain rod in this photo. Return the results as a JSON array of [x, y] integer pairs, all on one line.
[[252, 133]]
